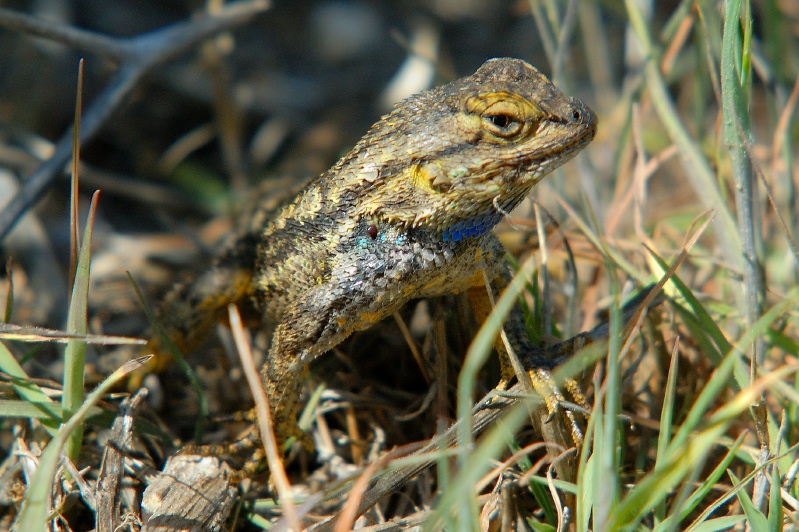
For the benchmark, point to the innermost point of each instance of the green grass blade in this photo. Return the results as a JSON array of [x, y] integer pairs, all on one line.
[[775, 511], [43, 411], [592, 480], [685, 459], [703, 490], [735, 60], [721, 523], [666, 420], [756, 519], [607, 442], [722, 500], [700, 314], [481, 348], [27, 389], [77, 319], [719, 379], [717, 382]]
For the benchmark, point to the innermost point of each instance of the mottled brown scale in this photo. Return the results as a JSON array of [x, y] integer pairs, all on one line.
[[407, 213]]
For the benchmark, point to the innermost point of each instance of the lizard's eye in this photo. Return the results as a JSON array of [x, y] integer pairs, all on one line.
[[503, 125], [501, 121], [504, 116]]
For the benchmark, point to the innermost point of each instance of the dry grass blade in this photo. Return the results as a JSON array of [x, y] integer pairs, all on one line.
[[29, 333], [266, 428], [74, 224]]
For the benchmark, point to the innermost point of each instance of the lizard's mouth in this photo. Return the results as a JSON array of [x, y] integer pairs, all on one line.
[[567, 137], [575, 131]]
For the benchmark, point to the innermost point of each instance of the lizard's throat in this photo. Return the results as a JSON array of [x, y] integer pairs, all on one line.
[[471, 227], [480, 223]]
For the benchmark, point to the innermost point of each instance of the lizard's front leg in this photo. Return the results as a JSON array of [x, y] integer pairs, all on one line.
[[297, 340], [525, 360], [283, 376], [536, 362], [316, 322]]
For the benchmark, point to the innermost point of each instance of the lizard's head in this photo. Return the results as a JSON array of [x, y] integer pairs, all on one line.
[[457, 158]]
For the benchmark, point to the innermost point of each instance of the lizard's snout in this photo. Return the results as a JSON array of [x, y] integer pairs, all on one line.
[[582, 115]]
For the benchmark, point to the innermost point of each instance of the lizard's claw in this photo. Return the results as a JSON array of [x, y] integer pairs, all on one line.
[[542, 382]]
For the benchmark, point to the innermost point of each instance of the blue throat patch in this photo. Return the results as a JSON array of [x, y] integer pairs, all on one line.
[[477, 226]]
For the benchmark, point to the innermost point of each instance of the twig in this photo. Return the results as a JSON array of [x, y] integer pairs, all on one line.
[[138, 55], [112, 470]]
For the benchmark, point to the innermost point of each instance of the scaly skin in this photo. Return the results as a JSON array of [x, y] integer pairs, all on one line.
[[406, 214]]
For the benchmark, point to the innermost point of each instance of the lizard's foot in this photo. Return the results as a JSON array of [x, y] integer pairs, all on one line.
[[503, 384], [244, 455], [541, 378], [287, 432], [544, 384], [249, 441], [256, 462]]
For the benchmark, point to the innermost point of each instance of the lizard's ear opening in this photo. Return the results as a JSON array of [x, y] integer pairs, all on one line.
[[431, 177]]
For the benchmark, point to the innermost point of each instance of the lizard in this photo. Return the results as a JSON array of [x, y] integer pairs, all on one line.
[[407, 213]]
